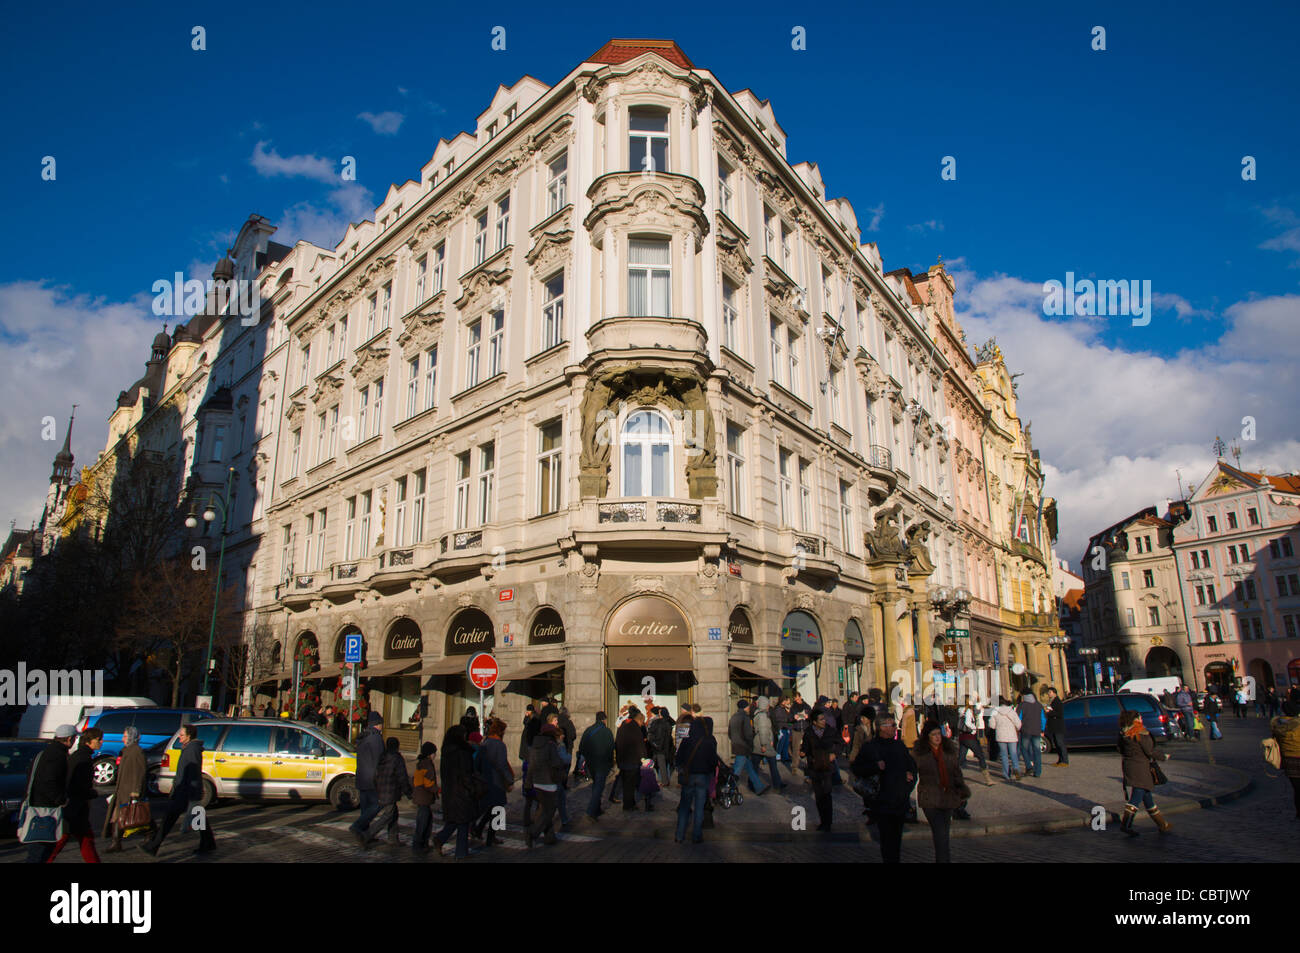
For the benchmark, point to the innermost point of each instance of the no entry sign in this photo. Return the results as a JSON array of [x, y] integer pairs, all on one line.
[[482, 671]]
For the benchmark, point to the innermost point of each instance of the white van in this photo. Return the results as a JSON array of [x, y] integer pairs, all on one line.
[[1152, 686], [40, 721]]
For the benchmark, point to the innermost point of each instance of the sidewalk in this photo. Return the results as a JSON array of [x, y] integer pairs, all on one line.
[[1062, 798]]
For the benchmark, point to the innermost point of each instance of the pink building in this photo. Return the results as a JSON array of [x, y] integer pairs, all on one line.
[[1238, 559]]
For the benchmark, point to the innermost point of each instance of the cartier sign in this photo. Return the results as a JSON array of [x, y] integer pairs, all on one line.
[[470, 632], [403, 640], [739, 629], [547, 628], [647, 620]]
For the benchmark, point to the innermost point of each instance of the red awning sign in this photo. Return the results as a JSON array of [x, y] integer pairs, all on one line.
[[483, 671]]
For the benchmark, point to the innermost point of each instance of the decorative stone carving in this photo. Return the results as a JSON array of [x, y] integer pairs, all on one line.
[[648, 583], [664, 199], [589, 575], [295, 412], [371, 363], [917, 534], [557, 133], [551, 249], [431, 229], [327, 390], [483, 286], [884, 539], [423, 326], [376, 271], [733, 254], [805, 601], [680, 392]]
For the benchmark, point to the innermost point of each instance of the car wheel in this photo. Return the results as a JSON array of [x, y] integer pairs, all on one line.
[[209, 794], [343, 795], [103, 772]]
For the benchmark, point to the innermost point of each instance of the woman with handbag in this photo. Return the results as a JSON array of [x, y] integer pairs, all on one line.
[[941, 790], [1286, 732], [40, 820], [129, 809], [1142, 771]]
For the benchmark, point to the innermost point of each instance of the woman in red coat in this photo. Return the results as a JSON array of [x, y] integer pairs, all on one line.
[[1139, 753]]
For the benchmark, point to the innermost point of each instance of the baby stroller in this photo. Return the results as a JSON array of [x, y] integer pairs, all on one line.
[[728, 790]]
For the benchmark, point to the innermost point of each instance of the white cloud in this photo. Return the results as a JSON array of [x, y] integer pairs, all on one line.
[[271, 163], [931, 225], [324, 224], [60, 349], [877, 214], [1112, 425], [385, 123]]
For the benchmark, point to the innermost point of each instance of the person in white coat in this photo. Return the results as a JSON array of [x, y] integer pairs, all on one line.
[[1006, 731]]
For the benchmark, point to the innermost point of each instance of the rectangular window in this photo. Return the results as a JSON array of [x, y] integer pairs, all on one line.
[[439, 259], [1205, 559], [430, 376], [385, 306], [647, 140], [1295, 584], [295, 449], [372, 314], [1209, 591], [399, 513], [329, 346], [557, 184], [1232, 520], [1218, 631], [377, 403], [487, 469], [218, 443], [362, 411], [1245, 552], [649, 288], [769, 233], [503, 222], [320, 539], [730, 318], [1290, 622], [286, 552], [462, 490], [1244, 625], [548, 467], [308, 540], [1213, 523], [846, 517], [305, 354], [480, 237], [776, 333], [1128, 616], [421, 278], [1148, 578], [736, 467], [473, 345], [1281, 585], [786, 260], [785, 496], [333, 446], [496, 343], [417, 506], [1205, 631], [350, 529], [1250, 589], [321, 437], [725, 191], [1153, 615], [412, 386], [837, 410], [1124, 580], [553, 312], [363, 537], [1200, 595], [1232, 555], [1252, 516], [805, 496], [794, 342], [1196, 560]]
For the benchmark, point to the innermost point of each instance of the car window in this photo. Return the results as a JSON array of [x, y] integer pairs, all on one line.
[[1104, 706], [1074, 709], [157, 722], [15, 759], [113, 722], [250, 739], [294, 741], [1139, 703], [208, 734]]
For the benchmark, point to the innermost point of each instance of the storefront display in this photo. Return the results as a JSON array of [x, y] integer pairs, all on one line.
[[648, 656], [801, 653]]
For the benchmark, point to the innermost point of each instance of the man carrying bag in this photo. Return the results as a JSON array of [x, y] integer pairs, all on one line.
[[40, 821]]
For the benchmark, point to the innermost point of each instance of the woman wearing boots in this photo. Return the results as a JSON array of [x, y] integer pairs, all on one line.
[[1139, 753], [131, 771]]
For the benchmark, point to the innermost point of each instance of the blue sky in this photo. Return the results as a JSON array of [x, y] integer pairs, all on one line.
[[1118, 164]]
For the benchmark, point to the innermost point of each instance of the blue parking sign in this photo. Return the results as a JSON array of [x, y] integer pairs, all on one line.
[[352, 649]]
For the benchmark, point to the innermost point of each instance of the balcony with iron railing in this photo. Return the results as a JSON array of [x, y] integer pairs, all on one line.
[[640, 522]]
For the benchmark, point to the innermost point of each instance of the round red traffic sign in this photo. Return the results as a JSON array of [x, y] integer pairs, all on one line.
[[482, 671]]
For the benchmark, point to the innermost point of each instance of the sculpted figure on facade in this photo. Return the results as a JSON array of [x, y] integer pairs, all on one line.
[[884, 540]]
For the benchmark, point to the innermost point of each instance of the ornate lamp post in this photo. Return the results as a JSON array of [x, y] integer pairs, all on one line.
[[950, 603], [192, 521], [1058, 643]]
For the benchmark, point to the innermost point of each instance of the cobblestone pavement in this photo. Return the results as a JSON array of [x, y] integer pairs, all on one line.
[[1257, 825]]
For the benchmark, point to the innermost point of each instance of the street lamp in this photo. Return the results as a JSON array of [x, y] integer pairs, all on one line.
[[1058, 642], [950, 603], [1111, 662], [1089, 656], [192, 521]]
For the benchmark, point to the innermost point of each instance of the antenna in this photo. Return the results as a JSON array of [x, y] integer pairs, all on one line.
[[1179, 473]]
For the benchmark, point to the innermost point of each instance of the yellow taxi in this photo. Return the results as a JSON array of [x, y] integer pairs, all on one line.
[[267, 758]]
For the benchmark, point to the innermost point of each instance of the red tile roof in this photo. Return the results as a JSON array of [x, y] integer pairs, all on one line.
[[1286, 482], [620, 51], [1073, 598]]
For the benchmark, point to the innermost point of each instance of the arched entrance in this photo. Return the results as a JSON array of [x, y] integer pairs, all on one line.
[[1220, 674], [648, 656], [1163, 661], [1263, 672], [801, 653], [540, 674], [394, 683]]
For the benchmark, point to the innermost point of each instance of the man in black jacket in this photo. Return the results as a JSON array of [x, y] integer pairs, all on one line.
[[887, 757], [1056, 727], [629, 747], [370, 748], [187, 791], [597, 749], [49, 784]]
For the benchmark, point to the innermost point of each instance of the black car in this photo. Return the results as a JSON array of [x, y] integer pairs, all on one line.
[[1093, 720], [16, 759]]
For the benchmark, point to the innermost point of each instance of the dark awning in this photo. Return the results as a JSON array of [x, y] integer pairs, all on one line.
[[753, 668], [391, 666], [531, 670]]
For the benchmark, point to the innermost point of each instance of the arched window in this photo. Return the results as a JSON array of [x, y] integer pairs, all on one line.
[[647, 447]]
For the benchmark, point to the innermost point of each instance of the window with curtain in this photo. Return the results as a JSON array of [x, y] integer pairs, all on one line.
[[647, 453], [647, 139], [649, 279]]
